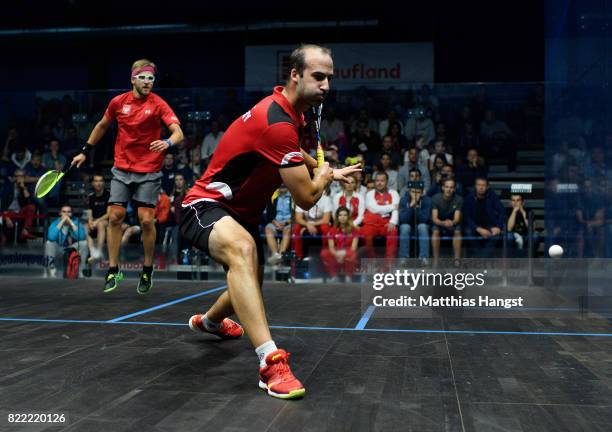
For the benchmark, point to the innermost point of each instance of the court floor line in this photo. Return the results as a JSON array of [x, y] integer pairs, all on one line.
[[365, 317], [161, 306], [314, 328]]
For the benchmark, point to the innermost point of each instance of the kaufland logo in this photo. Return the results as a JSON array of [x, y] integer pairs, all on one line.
[[357, 71]]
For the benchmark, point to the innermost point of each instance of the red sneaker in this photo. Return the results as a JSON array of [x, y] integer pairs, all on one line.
[[230, 330], [277, 377]]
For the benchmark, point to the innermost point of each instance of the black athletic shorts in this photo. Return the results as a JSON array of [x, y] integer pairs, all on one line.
[[198, 221]]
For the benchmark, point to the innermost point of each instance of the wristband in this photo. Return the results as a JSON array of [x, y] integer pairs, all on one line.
[[169, 142], [86, 149]]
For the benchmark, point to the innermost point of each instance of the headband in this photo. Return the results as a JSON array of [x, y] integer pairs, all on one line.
[[143, 69]]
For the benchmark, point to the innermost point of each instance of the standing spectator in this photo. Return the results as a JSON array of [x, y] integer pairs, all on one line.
[[350, 199], [342, 247], [446, 220], [415, 215], [484, 217], [53, 159], [17, 204], [64, 232], [279, 215], [313, 222], [176, 216], [97, 216], [162, 211], [209, 144], [381, 216]]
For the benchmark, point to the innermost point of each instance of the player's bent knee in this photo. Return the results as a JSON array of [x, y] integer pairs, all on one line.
[[116, 214], [242, 251]]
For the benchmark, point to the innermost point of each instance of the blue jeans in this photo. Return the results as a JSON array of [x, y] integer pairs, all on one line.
[[404, 245]]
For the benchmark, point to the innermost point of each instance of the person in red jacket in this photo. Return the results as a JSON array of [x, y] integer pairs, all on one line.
[[139, 153], [342, 241]]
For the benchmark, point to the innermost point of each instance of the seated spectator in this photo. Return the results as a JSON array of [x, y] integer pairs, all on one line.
[[97, 217], [359, 186], [440, 152], [209, 144], [414, 215], [17, 204], [168, 171], [412, 164], [468, 138], [445, 173], [386, 166], [473, 168], [484, 216], [420, 123], [400, 142], [590, 215], [381, 216], [34, 171], [313, 222], [342, 244], [129, 226], [350, 199], [491, 128], [176, 216], [10, 145], [422, 151], [72, 143], [332, 131], [53, 159], [446, 220], [518, 223], [364, 141], [364, 122], [389, 147], [21, 157], [278, 214], [64, 232], [383, 125], [182, 164]]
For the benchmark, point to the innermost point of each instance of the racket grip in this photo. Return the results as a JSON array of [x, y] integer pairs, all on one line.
[[320, 155]]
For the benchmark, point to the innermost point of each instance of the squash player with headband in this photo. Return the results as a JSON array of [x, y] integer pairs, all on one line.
[[139, 154], [259, 151]]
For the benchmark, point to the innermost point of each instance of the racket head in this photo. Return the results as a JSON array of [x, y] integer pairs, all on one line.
[[46, 182]]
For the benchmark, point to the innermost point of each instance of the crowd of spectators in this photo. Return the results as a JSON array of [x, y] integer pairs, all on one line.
[[424, 181]]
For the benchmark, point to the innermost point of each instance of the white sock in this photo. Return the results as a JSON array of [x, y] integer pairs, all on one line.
[[211, 325], [263, 350]]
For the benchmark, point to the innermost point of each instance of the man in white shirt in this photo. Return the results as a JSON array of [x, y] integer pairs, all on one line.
[[381, 216], [209, 144], [313, 222]]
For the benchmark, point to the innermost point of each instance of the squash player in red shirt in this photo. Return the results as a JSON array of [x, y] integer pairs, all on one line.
[[259, 151], [139, 153]]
